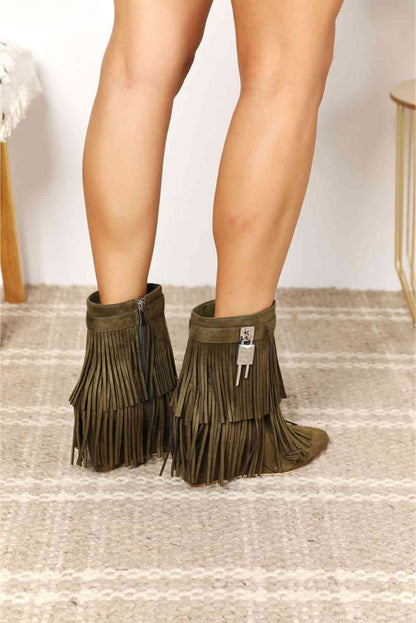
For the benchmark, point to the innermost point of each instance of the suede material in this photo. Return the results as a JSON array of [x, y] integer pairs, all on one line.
[[231, 335], [203, 316], [121, 400], [318, 442], [203, 327], [123, 315], [222, 431], [272, 464], [96, 309]]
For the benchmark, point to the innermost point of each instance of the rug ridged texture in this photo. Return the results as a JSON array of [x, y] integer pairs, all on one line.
[[333, 542]]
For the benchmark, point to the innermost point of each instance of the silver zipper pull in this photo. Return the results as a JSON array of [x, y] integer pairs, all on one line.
[[140, 309], [245, 353]]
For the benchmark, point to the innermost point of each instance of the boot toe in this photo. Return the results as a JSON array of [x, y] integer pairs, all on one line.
[[319, 441]]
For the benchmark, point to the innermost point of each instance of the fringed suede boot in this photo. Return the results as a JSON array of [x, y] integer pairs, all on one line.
[[121, 400], [227, 421]]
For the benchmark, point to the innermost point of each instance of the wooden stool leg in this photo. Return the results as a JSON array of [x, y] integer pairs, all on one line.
[[14, 291]]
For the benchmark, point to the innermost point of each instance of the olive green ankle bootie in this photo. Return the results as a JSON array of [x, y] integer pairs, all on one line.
[[121, 399], [227, 421]]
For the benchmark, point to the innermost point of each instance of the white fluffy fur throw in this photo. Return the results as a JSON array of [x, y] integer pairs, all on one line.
[[19, 84]]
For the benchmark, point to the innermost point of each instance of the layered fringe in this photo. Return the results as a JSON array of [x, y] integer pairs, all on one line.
[[121, 400], [221, 431]]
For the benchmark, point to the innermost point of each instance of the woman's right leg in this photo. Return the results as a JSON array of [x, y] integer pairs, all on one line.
[[149, 54]]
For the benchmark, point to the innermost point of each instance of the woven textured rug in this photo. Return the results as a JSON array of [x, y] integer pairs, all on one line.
[[333, 542]]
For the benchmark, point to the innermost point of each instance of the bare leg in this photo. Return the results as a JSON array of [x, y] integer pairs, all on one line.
[[285, 51], [149, 54]]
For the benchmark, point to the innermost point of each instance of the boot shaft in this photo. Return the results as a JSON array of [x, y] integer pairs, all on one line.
[[228, 423], [121, 399]]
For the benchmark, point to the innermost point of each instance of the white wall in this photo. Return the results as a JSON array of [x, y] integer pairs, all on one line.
[[345, 234]]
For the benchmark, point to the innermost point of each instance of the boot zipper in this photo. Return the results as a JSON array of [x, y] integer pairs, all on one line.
[[140, 303]]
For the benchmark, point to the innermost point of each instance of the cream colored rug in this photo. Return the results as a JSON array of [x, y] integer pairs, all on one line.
[[333, 542]]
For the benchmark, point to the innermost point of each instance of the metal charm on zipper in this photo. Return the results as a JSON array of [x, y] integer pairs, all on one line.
[[245, 353]]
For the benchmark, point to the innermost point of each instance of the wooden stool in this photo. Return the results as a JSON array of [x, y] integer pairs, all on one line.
[[14, 291], [19, 84], [404, 237]]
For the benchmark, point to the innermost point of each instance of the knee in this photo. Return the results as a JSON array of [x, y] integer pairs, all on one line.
[[155, 69], [294, 73]]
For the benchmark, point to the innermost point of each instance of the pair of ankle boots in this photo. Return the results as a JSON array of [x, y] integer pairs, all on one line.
[[220, 420]]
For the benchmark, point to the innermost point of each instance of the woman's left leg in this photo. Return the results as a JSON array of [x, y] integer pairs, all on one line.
[[228, 421], [284, 51]]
